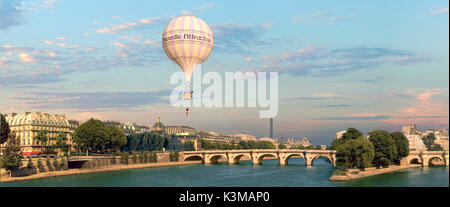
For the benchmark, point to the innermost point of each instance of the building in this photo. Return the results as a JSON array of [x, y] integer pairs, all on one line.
[[27, 126], [129, 127], [305, 142], [244, 136], [209, 134], [290, 141], [181, 131], [159, 127], [414, 136], [267, 139], [339, 134]]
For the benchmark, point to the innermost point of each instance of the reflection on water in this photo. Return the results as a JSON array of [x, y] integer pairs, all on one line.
[[244, 174]]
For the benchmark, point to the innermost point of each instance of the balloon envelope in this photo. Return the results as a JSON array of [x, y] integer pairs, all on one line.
[[188, 41]]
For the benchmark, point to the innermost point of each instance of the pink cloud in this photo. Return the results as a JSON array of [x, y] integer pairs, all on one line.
[[26, 57]]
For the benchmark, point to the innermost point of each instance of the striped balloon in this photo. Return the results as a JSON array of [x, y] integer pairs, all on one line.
[[188, 41]]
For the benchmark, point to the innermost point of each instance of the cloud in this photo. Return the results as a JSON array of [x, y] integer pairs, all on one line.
[[423, 109], [317, 16], [127, 26], [325, 62], [204, 6], [26, 57], [91, 101], [235, 38], [10, 13], [50, 65], [437, 11], [318, 96], [337, 105], [48, 4]]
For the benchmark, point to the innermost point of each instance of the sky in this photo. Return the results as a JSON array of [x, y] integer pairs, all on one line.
[[368, 65]]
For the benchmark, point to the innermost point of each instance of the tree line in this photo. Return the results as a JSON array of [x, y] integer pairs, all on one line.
[[381, 148], [250, 144], [96, 136], [145, 142]]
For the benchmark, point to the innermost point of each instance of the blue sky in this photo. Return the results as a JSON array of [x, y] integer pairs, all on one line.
[[370, 65]]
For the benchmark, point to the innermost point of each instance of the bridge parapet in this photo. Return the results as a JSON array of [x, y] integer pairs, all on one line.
[[257, 155]]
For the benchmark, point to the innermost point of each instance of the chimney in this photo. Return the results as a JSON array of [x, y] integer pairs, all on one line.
[[26, 113], [13, 114]]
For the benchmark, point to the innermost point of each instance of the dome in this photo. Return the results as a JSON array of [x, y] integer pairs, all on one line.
[[158, 126]]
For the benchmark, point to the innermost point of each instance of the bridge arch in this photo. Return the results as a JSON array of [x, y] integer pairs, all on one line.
[[236, 158], [258, 158], [328, 157], [214, 158], [194, 158], [414, 160], [285, 159], [431, 159]]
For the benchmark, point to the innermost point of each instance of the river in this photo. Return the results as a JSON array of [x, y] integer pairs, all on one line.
[[245, 174]]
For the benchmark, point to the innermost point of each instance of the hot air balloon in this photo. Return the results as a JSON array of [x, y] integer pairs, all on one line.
[[188, 41]]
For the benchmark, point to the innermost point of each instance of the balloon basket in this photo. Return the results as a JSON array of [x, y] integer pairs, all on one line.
[[187, 95]]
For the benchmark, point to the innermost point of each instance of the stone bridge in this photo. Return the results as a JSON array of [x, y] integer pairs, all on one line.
[[257, 155], [426, 157]]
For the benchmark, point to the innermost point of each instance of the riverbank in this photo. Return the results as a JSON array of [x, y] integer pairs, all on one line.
[[357, 174], [5, 179]]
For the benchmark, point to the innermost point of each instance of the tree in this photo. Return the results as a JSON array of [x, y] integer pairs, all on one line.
[[189, 146], [116, 138], [61, 144], [355, 153], [351, 133], [12, 154], [42, 139], [402, 145], [145, 142], [4, 129], [429, 142], [282, 146], [385, 147], [90, 136]]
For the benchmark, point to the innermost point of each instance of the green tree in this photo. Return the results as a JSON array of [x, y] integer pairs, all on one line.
[[30, 163], [429, 142], [355, 153], [4, 129], [402, 145], [61, 144], [282, 146], [55, 163], [351, 133], [12, 154], [42, 139], [145, 142], [124, 158], [385, 147], [116, 138], [39, 163], [91, 136], [63, 163], [173, 156], [49, 164], [189, 146]]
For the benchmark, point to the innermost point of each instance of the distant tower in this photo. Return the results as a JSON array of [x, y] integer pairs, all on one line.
[[271, 128]]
